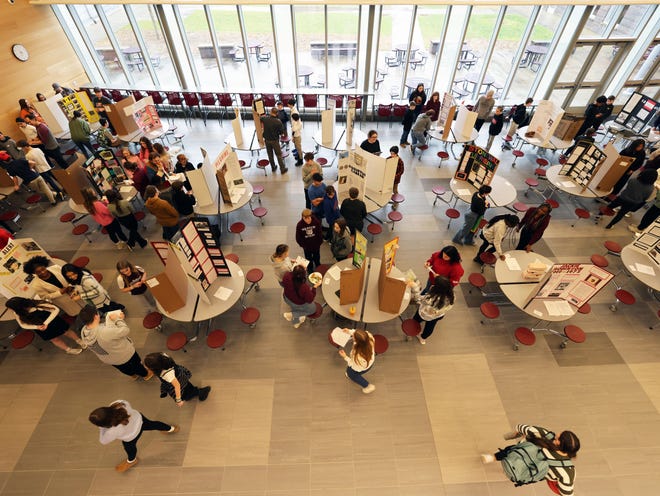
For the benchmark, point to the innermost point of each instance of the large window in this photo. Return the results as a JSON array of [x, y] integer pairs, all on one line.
[[198, 35], [228, 33]]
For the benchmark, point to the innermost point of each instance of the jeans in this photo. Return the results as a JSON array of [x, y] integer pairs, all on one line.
[[489, 143], [314, 257], [465, 235], [525, 237], [115, 231], [297, 142], [300, 310], [626, 207], [429, 325], [308, 202], [274, 145], [129, 222], [147, 425], [50, 179], [485, 245], [648, 218], [418, 139], [132, 367], [478, 123], [85, 146], [357, 376], [404, 135], [56, 155]]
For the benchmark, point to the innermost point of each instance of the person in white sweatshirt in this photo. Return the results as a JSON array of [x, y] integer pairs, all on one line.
[[123, 422], [433, 304], [360, 359], [493, 234], [38, 161], [110, 342]]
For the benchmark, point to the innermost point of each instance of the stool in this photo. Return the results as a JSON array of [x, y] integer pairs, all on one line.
[[81, 229], [81, 262], [487, 258], [263, 165], [323, 162], [394, 217], [23, 339], [317, 313], [421, 151], [624, 297], [452, 214], [584, 309], [232, 256], [250, 316], [67, 217], [34, 201], [178, 138], [524, 336], [244, 164], [478, 281], [580, 213], [11, 216], [98, 276], [439, 191], [237, 228], [442, 156], [541, 162], [177, 341], [285, 153], [532, 185], [613, 248], [520, 207], [410, 327], [253, 276], [285, 140], [374, 230], [604, 211], [540, 173], [139, 217], [396, 199], [562, 159], [257, 189], [599, 261], [153, 321], [573, 333], [489, 310], [380, 344], [517, 154], [260, 213], [553, 203], [216, 339]]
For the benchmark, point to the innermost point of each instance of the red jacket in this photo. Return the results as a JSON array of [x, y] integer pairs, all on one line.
[[305, 293], [444, 268], [540, 228]]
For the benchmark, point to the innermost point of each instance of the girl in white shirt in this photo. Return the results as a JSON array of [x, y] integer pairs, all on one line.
[[433, 305], [281, 262], [493, 234], [41, 166], [174, 379], [360, 359], [121, 421]]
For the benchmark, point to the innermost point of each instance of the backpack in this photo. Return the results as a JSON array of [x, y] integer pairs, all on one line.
[[525, 463]]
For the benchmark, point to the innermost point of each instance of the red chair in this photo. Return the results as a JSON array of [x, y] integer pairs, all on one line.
[[339, 101], [216, 339], [250, 316], [207, 104], [524, 336], [442, 155], [517, 154], [489, 310], [257, 189], [237, 228], [269, 100], [394, 217], [177, 341], [157, 98], [137, 94], [384, 111], [192, 101], [33, 201], [246, 99], [477, 281], [399, 111], [599, 261], [520, 207], [67, 217], [487, 258], [81, 229], [253, 276], [224, 100], [581, 213], [613, 248], [311, 102], [23, 339], [259, 213], [452, 214], [153, 321], [263, 164], [396, 200], [622, 296], [175, 103], [374, 230], [541, 162], [552, 203], [318, 311], [285, 97], [117, 96]]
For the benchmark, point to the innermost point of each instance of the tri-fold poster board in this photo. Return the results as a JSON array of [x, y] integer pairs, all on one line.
[[350, 122], [613, 167], [463, 124], [52, 113], [204, 182], [476, 166], [545, 120], [583, 163], [352, 173], [390, 290], [328, 138], [229, 175], [648, 242], [74, 179], [446, 115], [372, 175], [637, 112], [237, 127], [13, 281], [78, 101]]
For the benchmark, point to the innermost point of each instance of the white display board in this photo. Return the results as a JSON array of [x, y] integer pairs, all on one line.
[[203, 182], [446, 104], [237, 126], [51, 112], [228, 165], [328, 126], [464, 122], [350, 121], [352, 173], [380, 172], [545, 120], [13, 281]]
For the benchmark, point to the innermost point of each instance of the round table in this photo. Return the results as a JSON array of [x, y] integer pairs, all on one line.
[[222, 208], [371, 315], [630, 257], [503, 194], [452, 138], [338, 143], [553, 143], [304, 71], [414, 82], [250, 141], [567, 185], [127, 194]]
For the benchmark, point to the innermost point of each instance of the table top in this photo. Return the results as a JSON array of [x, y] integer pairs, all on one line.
[[373, 200], [372, 314], [504, 193], [504, 275], [436, 133], [402, 47], [225, 208], [630, 256], [540, 49], [305, 70], [339, 142], [135, 136], [473, 77], [562, 183], [250, 141], [554, 143], [414, 82], [197, 311]]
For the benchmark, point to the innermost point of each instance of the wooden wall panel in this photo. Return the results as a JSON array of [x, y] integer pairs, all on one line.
[[51, 58]]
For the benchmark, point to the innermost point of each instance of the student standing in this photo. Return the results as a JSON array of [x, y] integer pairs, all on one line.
[[330, 208], [110, 342], [360, 359], [296, 134], [649, 217], [88, 290], [102, 215], [133, 279], [80, 133], [420, 130], [316, 192], [51, 147], [433, 305], [434, 104], [371, 144], [533, 225], [353, 210], [635, 150], [166, 215], [281, 262], [50, 284], [121, 421], [20, 168], [478, 206], [174, 379], [340, 240], [124, 213], [299, 295], [309, 236], [519, 117], [444, 263], [184, 201], [496, 125], [418, 95], [309, 168], [283, 116], [633, 197], [41, 166], [407, 123], [273, 129], [493, 234], [483, 108], [400, 168]]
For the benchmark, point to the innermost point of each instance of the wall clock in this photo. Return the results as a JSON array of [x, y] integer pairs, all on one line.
[[20, 52]]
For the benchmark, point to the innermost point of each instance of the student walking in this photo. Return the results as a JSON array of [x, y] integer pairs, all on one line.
[[533, 225], [121, 421], [433, 305], [496, 125], [102, 215], [400, 168], [407, 123], [360, 359], [472, 219], [166, 215], [174, 379]]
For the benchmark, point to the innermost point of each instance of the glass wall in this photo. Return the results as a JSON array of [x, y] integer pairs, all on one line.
[[518, 51]]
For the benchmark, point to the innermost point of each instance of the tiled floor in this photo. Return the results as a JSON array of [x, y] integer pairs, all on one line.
[[283, 420]]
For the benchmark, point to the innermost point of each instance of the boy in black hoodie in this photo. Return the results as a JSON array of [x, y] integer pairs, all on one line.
[[408, 120], [496, 124]]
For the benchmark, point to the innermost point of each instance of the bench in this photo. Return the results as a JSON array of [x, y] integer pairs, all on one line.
[[345, 48]]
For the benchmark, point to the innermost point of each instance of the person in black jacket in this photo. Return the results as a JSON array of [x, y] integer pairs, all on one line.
[[183, 202], [415, 95], [478, 207], [496, 125], [353, 210], [594, 114], [519, 117], [273, 129], [407, 122], [636, 150]]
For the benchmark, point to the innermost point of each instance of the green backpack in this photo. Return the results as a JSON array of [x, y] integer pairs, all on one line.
[[524, 463]]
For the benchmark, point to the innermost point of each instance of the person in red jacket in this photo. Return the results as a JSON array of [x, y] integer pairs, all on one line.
[[533, 225], [309, 237], [299, 295], [5, 236], [445, 263]]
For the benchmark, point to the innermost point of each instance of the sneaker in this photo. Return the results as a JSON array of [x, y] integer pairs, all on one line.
[[407, 143], [288, 316], [149, 375], [629, 214], [125, 465], [300, 322], [487, 458], [346, 374], [284, 171], [369, 389], [81, 343], [120, 245], [173, 430], [632, 228], [403, 145], [420, 339], [135, 377], [73, 351], [204, 393]]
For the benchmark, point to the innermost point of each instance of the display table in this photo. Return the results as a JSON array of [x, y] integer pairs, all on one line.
[[503, 194], [250, 141], [553, 144], [567, 185], [135, 136], [452, 139], [338, 144], [368, 299], [223, 208], [634, 259]]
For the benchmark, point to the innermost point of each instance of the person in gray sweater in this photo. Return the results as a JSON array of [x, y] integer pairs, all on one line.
[[420, 129], [110, 342], [634, 196]]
